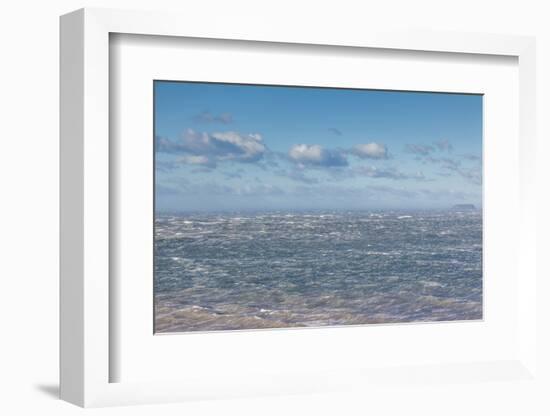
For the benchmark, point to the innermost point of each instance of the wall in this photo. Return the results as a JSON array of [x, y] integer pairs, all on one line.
[[29, 208]]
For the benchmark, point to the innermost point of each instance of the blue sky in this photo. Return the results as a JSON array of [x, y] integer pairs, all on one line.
[[245, 147]]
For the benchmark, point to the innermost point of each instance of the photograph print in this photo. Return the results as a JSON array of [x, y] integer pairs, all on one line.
[[293, 207]]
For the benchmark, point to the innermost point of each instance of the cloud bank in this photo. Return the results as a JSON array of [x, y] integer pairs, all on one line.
[[206, 150]]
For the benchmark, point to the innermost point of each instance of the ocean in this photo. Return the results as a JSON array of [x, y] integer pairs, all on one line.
[[234, 271]]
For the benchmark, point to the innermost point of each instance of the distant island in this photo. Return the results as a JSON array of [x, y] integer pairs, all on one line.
[[464, 207]]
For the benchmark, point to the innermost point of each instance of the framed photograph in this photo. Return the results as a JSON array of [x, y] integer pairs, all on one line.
[[277, 212], [300, 224]]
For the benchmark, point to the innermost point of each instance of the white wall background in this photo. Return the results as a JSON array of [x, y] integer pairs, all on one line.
[[29, 206]]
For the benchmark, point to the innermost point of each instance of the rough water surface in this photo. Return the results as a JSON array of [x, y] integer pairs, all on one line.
[[271, 270]]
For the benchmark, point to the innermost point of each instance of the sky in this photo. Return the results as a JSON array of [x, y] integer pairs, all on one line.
[[231, 147]]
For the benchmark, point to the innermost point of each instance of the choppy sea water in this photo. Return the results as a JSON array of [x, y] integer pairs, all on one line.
[[272, 270]]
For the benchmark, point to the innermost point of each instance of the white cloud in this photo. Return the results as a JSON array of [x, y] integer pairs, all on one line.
[[316, 155], [195, 160], [203, 148], [246, 147], [306, 153], [370, 151]]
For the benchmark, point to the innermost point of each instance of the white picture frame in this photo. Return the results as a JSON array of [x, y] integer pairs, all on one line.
[[86, 355]]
